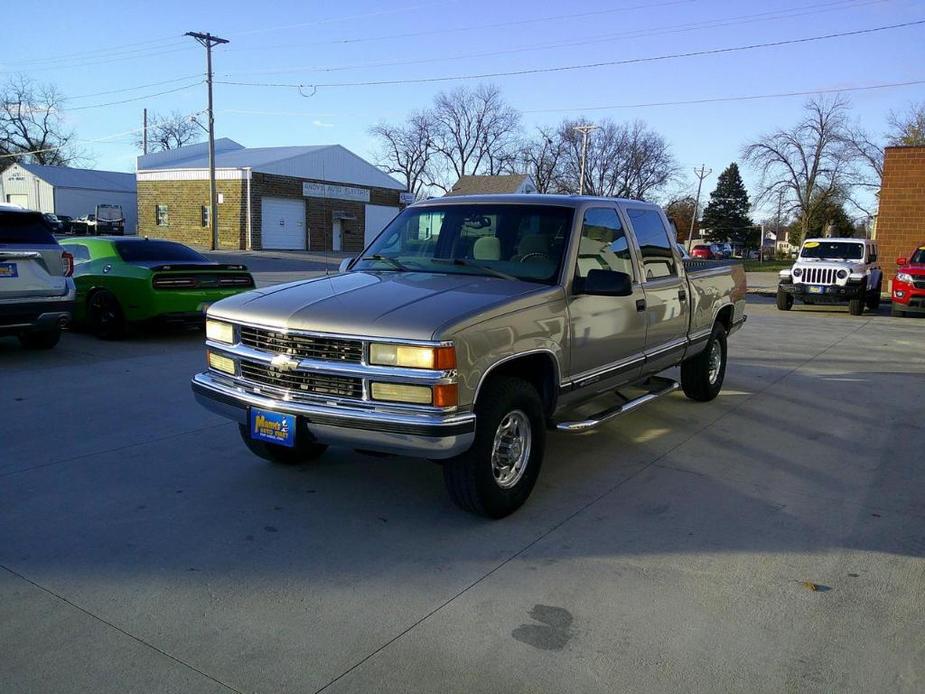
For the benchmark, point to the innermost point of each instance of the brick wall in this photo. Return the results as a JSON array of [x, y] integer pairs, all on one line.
[[319, 212], [901, 219], [184, 200]]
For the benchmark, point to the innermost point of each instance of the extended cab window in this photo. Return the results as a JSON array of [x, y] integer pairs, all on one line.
[[654, 242], [603, 244]]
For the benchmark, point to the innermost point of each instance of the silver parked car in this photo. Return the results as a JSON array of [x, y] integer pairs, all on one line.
[[36, 290]]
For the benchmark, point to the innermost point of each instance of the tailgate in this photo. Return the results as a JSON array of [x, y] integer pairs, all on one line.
[[26, 272]]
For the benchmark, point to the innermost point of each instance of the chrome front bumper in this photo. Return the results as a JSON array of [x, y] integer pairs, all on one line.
[[417, 435]]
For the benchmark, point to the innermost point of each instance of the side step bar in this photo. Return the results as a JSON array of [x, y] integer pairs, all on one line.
[[657, 385]]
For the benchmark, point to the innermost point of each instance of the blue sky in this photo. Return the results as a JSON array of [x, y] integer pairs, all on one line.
[[298, 42]]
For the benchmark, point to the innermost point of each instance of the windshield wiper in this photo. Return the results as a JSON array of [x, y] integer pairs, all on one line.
[[468, 263], [386, 259]]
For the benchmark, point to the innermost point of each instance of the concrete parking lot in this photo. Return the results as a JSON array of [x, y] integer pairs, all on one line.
[[142, 548]]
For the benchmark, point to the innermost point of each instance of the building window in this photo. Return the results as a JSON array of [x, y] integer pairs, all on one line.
[[161, 216], [204, 214]]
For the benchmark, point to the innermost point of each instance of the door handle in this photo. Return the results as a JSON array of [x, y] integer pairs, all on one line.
[[682, 295], [640, 304]]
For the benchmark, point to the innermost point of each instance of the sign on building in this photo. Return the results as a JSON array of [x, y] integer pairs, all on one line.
[[328, 190], [406, 198]]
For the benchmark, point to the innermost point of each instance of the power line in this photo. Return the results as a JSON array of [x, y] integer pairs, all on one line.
[[131, 89], [146, 53], [738, 20], [138, 98], [585, 66], [125, 47]]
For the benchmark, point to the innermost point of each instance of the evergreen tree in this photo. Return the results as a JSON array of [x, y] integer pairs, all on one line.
[[725, 218]]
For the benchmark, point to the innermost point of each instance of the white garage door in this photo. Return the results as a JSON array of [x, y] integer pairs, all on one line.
[[282, 224], [377, 216]]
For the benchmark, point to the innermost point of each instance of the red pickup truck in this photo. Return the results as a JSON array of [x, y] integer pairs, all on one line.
[[909, 284]]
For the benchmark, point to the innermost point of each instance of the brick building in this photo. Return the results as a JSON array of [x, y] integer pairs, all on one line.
[[901, 220], [297, 198]]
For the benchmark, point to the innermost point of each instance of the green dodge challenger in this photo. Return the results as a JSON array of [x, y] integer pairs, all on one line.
[[123, 280]]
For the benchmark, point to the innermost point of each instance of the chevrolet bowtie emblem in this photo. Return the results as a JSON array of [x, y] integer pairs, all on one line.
[[284, 362]]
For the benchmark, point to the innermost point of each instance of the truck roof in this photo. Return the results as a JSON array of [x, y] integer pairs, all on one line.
[[527, 199], [836, 239]]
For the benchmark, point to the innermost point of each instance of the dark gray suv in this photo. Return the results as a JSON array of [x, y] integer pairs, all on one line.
[[36, 290]]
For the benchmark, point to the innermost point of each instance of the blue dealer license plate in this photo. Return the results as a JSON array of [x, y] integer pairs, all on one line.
[[816, 289], [273, 427], [8, 270]]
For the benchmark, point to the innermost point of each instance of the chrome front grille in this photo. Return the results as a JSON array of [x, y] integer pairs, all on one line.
[[919, 284], [818, 275], [303, 346], [302, 382]]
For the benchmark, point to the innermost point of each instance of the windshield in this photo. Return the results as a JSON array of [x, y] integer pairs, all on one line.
[[109, 213], [832, 249], [524, 242], [160, 251], [918, 257]]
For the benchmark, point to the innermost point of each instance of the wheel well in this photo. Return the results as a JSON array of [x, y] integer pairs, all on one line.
[[539, 369], [724, 317]]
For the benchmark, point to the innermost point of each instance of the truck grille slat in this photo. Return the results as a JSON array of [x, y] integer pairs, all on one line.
[[816, 275], [303, 346], [302, 381]]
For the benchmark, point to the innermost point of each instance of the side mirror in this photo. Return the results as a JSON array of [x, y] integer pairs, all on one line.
[[606, 283], [344, 264], [902, 261]]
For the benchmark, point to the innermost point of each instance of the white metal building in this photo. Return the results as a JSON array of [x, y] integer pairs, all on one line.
[[67, 191]]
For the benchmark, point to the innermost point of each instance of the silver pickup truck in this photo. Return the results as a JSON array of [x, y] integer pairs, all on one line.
[[468, 328]]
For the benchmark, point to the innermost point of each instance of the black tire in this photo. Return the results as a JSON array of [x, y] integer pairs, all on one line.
[[784, 300], [302, 452], [873, 299], [897, 312], [698, 378], [856, 307], [471, 477], [104, 315], [40, 339]]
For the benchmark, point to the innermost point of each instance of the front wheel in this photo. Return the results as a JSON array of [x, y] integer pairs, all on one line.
[[702, 376], [784, 300], [873, 299], [302, 452], [856, 307], [496, 475]]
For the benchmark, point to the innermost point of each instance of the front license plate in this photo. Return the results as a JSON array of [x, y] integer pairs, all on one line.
[[273, 427], [816, 289], [8, 270]]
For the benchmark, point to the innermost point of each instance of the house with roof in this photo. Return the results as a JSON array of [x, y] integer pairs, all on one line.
[[320, 197], [63, 190], [486, 185]]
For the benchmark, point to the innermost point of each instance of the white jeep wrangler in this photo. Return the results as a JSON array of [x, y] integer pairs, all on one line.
[[833, 271]]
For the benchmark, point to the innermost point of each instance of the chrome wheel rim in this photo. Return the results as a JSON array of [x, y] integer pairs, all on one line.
[[715, 361], [510, 451]]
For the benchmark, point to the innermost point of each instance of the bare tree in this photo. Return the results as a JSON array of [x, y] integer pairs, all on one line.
[[31, 124], [866, 174], [540, 157], [623, 160], [907, 128], [809, 165], [407, 150], [474, 131], [170, 131]]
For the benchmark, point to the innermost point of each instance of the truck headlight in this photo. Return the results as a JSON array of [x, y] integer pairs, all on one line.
[[905, 277], [796, 272], [841, 274], [221, 363], [220, 332], [412, 356]]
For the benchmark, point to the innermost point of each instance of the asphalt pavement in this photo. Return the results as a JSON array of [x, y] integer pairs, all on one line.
[[772, 540]]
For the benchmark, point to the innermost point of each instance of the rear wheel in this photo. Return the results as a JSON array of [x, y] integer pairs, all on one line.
[[702, 376], [40, 339], [104, 315], [302, 452], [784, 300], [496, 475], [856, 307]]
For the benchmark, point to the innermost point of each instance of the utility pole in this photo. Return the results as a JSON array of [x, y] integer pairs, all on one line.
[[144, 131], [209, 41], [701, 174], [585, 130]]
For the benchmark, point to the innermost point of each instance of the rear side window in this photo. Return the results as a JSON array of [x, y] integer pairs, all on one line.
[[161, 251], [603, 245], [80, 252], [654, 242], [19, 227]]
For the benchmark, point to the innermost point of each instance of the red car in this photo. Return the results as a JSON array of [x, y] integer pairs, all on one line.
[[702, 252], [909, 284]]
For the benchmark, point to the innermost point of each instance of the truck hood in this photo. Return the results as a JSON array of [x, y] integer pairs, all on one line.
[[403, 305]]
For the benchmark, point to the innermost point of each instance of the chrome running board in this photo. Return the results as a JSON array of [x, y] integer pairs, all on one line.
[[657, 386]]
